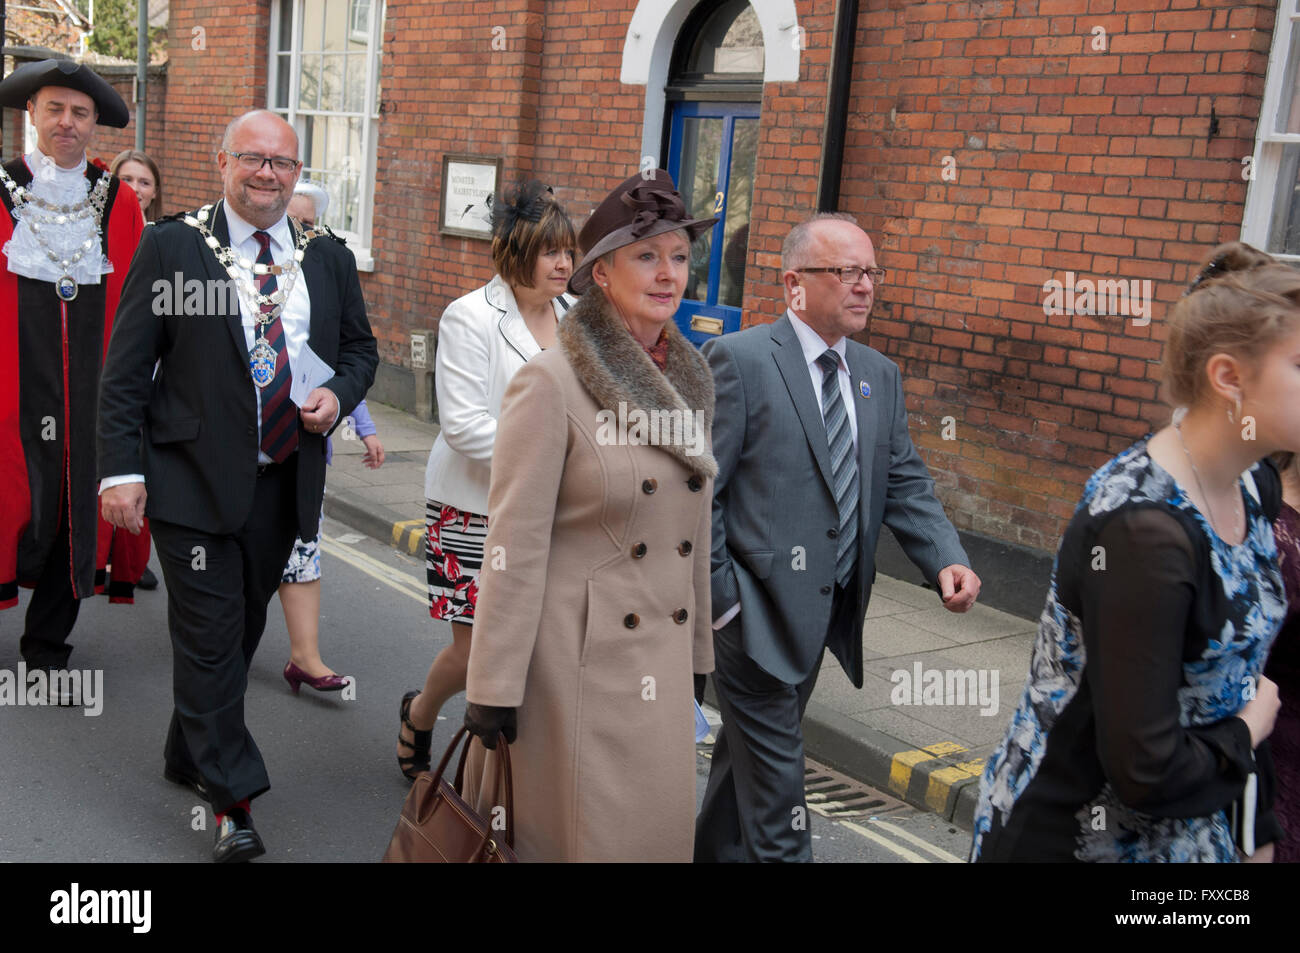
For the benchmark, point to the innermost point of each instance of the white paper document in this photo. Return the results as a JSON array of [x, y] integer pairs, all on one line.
[[309, 372]]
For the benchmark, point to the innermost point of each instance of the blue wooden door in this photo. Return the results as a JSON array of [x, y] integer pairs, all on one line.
[[711, 156]]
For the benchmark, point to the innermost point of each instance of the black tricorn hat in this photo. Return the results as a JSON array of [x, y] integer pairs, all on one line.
[[22, 84], [644, 205]]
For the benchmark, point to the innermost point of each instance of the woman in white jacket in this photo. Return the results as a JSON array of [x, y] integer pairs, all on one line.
[[483, 339]]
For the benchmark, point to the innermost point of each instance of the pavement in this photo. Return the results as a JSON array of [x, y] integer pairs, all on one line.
[[939, 688]]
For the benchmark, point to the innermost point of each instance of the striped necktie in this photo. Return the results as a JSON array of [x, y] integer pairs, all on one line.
[[279, 414], [844, 466]]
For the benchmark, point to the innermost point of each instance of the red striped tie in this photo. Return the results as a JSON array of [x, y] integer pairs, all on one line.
[[279, 414]]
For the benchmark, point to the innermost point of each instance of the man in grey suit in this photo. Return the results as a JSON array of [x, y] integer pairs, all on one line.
[[810, 434]]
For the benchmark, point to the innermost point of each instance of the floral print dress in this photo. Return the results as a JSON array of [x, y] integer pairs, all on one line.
[[1124, 746]]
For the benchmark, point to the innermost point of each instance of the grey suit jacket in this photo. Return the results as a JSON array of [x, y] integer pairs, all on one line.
[[774, 509]]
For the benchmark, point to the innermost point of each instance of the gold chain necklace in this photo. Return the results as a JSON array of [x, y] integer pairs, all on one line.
[[24, 201], [264, 308]]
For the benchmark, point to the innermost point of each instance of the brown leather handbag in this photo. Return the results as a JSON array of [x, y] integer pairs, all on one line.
[[437, 825]]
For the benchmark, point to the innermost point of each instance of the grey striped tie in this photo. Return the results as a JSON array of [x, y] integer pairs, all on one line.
[[844, 466]]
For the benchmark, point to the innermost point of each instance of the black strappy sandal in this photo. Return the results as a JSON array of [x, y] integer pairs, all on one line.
[[421, 741]]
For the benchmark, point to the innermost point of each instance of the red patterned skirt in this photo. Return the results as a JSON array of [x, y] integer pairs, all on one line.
[[453, 546]]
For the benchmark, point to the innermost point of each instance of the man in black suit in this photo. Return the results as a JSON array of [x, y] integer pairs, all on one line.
[[234, 468]]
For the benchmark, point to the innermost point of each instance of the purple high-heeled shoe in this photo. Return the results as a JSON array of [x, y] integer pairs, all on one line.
[[323, 683]]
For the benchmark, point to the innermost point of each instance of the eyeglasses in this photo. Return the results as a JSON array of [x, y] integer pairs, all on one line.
[[252, 162], [850, 274]]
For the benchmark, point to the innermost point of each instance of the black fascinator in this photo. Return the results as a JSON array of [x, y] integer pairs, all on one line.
[[525, 200]]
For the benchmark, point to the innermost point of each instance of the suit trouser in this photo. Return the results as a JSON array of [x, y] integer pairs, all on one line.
[[218, 588], [52, 612], [754, 806]]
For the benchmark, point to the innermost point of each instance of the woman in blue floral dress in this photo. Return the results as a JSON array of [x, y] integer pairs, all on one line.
[[1146, 708]]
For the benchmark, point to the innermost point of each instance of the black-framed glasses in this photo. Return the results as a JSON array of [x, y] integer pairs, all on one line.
[[252, 162], [850, 274]]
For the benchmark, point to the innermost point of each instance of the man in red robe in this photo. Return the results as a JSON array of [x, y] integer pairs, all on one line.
[[68, 232]]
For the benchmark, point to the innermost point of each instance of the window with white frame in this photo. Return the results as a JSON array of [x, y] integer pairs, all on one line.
[[325, 80], [1272, 217]]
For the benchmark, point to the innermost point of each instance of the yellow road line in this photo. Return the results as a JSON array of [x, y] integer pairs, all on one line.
[[375, 569], [886, 843], [911, 838]]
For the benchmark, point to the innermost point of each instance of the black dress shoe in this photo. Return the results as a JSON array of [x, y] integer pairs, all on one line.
[[237, 840], [190, 779], [58, 690], [148, 580]]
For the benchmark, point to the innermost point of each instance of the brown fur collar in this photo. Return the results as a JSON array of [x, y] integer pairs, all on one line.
[[614, 368]]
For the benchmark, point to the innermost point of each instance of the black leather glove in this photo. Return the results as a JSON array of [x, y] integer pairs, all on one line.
[[484, 721]]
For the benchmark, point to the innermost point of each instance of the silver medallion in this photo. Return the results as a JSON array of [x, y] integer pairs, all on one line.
[[65, 287], [261, 362]]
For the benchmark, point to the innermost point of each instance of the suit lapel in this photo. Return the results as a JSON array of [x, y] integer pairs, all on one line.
[[794, 370], [867, 414], [221, 232], [313, 273], [510, 323], [864, 407]]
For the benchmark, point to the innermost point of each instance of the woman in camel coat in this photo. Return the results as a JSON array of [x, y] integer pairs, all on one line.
[[594, 604]]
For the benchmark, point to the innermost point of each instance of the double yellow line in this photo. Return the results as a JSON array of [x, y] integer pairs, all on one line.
[[390, 576]]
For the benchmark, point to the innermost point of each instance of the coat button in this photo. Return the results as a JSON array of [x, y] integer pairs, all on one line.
[[638, 550], [252, 431], [679, 616], [832, 533], [825, 590], [631, 621], [685, 547], [649, 486], [695, 483]]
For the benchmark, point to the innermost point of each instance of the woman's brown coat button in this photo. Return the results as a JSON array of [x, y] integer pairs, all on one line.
[[631, 620], [649, 486], [685, 547], [638, 550], [679, 616]]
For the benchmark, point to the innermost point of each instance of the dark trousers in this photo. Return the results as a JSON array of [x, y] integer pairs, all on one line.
[[218, 588], [754, 808], [53, 611]]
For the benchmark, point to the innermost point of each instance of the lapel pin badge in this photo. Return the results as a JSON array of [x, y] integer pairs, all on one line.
[[864, 388]]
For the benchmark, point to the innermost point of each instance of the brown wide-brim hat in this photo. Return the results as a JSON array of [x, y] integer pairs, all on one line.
[[644, 205], [23, 83]]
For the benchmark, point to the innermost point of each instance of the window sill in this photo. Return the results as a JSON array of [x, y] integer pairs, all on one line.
[[365, 261]]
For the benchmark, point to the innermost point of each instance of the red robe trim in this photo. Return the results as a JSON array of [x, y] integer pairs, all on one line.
[[123, 225]]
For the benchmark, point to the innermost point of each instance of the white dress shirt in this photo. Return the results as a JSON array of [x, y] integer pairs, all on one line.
[[814, 346], [295, 319]]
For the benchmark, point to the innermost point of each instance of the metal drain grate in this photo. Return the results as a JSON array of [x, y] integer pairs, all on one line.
[[837, 795]]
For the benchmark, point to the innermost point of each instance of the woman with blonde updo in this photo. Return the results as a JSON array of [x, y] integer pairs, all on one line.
[[1142, 726]]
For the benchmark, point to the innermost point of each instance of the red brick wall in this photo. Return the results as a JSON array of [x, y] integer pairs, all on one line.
[[788, 161], [108, 142], [206, 88], [445, 89], [1067, 159]]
